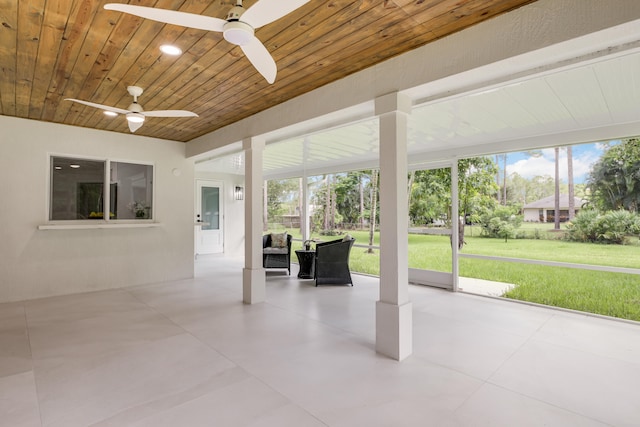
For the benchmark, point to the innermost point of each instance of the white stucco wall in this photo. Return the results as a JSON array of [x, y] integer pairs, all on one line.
[[531, 215], [37, 263], [233, 215]]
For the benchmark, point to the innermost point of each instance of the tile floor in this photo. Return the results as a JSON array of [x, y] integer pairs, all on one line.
[[189, 353]]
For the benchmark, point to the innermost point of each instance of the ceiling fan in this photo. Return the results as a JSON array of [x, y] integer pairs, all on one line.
[[238, 28], [135, 113]]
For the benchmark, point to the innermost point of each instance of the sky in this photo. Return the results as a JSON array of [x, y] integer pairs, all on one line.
[[529, 166]]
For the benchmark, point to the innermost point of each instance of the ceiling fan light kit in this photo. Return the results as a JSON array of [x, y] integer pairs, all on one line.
[[135, 117], [238, 33]]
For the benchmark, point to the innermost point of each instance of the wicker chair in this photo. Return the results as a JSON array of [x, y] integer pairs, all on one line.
[[276, 257], [332, 263]]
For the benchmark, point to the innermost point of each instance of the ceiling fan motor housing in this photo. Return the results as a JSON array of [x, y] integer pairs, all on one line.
[[235, 13], [135, 107]]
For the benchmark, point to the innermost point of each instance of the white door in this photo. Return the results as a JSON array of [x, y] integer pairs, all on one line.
[[209, 235]]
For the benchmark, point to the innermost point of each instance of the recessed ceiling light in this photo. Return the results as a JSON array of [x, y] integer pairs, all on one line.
[[171, 50], [110, 113], [74, 166], [58, 168]]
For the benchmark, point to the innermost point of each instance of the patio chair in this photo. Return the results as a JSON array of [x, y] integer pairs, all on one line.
[[332, 262], [276, 256]]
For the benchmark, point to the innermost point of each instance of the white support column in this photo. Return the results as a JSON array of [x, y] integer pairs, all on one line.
[[253, 274], [455, 225], [394, 327]]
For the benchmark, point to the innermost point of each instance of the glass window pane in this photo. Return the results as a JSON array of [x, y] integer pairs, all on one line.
[[77, 189], [131, 191], [210, 208]]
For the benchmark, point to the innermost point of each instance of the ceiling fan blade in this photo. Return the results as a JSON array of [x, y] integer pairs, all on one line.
[[134, 126], [102, 107], [265, 11], [261, 59], [173, 17], [169, 113]]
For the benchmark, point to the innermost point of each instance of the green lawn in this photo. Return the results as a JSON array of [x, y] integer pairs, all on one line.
[[611, 294]]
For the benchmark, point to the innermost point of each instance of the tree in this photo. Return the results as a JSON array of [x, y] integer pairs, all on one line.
[[361, 194], [328, 219], [348, 198], [374, 208], [504, 178], [572, 200], [265, 206], [614, 181], [556, 212], [301, 212], [431, 192], [279, 199], [412, 177]]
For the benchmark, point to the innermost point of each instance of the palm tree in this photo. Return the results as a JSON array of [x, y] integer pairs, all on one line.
[[265, 206], [374, 201], [504, 179], [556, 213], [302, 215], [412, 177], [327, 208], [361, 189], [572, 207]]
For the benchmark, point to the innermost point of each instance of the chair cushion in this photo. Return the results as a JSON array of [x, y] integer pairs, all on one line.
[[279, 240], [275, 251]]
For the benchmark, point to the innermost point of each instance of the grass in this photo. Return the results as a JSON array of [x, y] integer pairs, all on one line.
[[610, 294], [599, 292]]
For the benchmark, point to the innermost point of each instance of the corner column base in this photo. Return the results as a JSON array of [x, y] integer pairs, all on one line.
[[394, 330], [254, 288]]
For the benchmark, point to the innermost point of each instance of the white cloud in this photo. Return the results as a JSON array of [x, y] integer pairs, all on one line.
[[545, 165]]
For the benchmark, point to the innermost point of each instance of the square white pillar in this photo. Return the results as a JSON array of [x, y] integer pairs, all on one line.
[[254, 289], [394, 330], [253, 274], [393, 311]]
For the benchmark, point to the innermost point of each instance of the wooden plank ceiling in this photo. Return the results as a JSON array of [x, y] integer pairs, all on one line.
[[56, 49]]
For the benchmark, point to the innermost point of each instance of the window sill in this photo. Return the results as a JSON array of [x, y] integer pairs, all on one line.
[[96, 226]]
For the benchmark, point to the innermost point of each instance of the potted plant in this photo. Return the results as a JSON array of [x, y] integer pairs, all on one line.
[[307, 244]]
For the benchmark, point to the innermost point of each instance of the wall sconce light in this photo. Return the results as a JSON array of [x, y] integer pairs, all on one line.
[[238, 193]]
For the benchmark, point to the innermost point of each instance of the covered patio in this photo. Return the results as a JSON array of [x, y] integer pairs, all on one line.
[[563, 87], [186, 353]]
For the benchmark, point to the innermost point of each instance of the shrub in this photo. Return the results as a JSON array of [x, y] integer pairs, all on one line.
[[500, 223], [612, 227]]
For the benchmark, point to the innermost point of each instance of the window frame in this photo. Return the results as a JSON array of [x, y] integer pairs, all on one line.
[[106, 176]]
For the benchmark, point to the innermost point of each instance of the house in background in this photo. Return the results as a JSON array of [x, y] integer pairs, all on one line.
[[543, 210]]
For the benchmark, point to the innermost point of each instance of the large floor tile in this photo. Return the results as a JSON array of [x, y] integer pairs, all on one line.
[[492, 313], [604, 337], [18, 401], [471, 348], [15, 351], [493, 406], [246, 402], [84, 390], [92, 324], [596, 387]]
